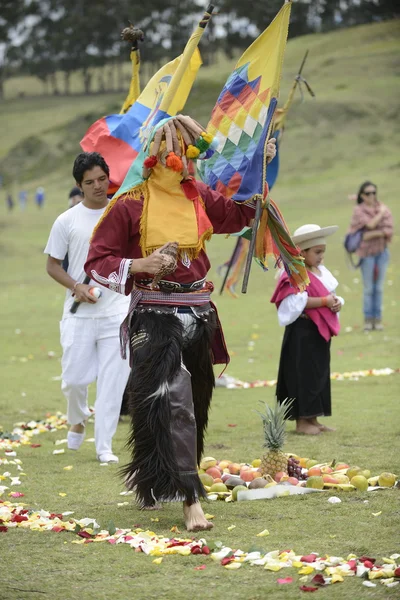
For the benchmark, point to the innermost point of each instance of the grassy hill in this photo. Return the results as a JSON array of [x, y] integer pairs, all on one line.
[[345, 135]]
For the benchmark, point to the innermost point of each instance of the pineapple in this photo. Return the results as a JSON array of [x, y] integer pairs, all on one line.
[[274, 420]]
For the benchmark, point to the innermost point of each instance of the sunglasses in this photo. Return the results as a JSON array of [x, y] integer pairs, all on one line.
[[369, 193]]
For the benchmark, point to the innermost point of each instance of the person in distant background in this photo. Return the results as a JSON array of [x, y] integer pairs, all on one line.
[[75, 196], [377, 221], [10, 202], [23, 199], [39, 196]]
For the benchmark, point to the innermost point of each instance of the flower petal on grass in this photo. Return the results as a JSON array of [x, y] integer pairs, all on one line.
[[285, 580], [158, 561], [308, 588], [263, 533]]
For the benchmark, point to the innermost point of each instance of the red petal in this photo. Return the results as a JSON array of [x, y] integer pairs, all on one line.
[[318, 579], [353, 564], [397, 572], [3, 528], [368, 564], [200, 568], [364, 558], [226, 561], [232, 425], [196, 550], [310, 558], [308, 588], [35, 445], [206, 550]]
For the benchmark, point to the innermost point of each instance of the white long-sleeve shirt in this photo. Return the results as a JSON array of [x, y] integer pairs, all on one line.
[[293, 306]]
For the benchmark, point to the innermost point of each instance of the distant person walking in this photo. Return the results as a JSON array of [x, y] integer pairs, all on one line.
[[376, 220], [39, 197], [9, 202], [23, 199]]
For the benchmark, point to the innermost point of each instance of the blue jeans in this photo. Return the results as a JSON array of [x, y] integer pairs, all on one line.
[[373, 270]]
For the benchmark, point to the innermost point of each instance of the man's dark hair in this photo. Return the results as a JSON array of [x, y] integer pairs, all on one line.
[[86, 161], [75, 192]]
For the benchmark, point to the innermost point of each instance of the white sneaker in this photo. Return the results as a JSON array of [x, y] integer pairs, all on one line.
[[75, 440], [107, 457]]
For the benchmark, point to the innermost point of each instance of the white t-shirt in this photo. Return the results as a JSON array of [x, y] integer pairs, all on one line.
[[71, 233], [293, 305]]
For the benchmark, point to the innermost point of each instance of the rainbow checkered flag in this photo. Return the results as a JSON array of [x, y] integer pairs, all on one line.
[[241, 119]]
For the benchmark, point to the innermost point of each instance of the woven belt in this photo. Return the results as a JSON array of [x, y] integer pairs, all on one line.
[[172, 286], [145, 296]]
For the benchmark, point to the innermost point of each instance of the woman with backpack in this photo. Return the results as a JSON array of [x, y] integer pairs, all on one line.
[[376, 222]]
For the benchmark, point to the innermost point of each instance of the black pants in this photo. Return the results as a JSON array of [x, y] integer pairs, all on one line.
[[169, 390]]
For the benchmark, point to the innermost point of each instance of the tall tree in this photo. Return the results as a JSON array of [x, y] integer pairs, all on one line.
[[14, 23]]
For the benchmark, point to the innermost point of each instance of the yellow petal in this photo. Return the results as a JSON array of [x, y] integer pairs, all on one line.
[[377, 514], [336, 578], [62, 494], [297, 564], [263, 533], [273, 567], [209, 517], [375, 575], [175, 529], [388, 561], [233, 565], [68, 468], [158, 561], [306, 570], [231, 527], [156, 520], [303, 579]]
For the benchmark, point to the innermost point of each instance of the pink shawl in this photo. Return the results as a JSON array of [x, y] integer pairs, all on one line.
[[326, 321]]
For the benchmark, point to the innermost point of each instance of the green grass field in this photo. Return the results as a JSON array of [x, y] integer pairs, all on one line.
[[333, 143]]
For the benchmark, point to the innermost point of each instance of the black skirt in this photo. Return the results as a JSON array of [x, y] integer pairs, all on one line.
[[304, 371]]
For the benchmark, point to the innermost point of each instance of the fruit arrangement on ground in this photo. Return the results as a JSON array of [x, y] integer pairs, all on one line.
[[224, 479]]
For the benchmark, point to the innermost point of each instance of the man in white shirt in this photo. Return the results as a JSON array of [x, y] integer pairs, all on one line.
[[90, 336]]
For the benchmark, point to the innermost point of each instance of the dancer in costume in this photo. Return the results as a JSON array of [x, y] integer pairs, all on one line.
[[310, 319], [151, 243], [90, 336]]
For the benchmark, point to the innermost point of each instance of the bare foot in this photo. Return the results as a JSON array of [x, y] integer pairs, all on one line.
[[194, 518], [79, 428], [321, 426], [305, 426]]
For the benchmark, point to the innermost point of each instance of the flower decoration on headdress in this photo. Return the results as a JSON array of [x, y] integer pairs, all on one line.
[[175, 142]]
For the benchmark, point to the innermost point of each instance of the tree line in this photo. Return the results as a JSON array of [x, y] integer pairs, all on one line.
[[46, 37]]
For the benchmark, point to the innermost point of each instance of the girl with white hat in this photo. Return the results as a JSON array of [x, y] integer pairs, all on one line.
[[310, 319]]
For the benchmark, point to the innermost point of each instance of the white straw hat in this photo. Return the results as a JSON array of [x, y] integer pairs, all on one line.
[[310, 235]]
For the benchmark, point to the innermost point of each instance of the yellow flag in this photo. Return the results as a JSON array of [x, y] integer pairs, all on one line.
[[134, 88]]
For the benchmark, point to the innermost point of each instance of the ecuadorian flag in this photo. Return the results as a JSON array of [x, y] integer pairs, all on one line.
[[242, 117], [119, 138]]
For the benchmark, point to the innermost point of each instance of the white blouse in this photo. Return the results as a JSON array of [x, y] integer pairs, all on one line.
[[293, 306]]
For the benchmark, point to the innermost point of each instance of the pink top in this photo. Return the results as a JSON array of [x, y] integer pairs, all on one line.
[[326, 321], [363, 214]]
